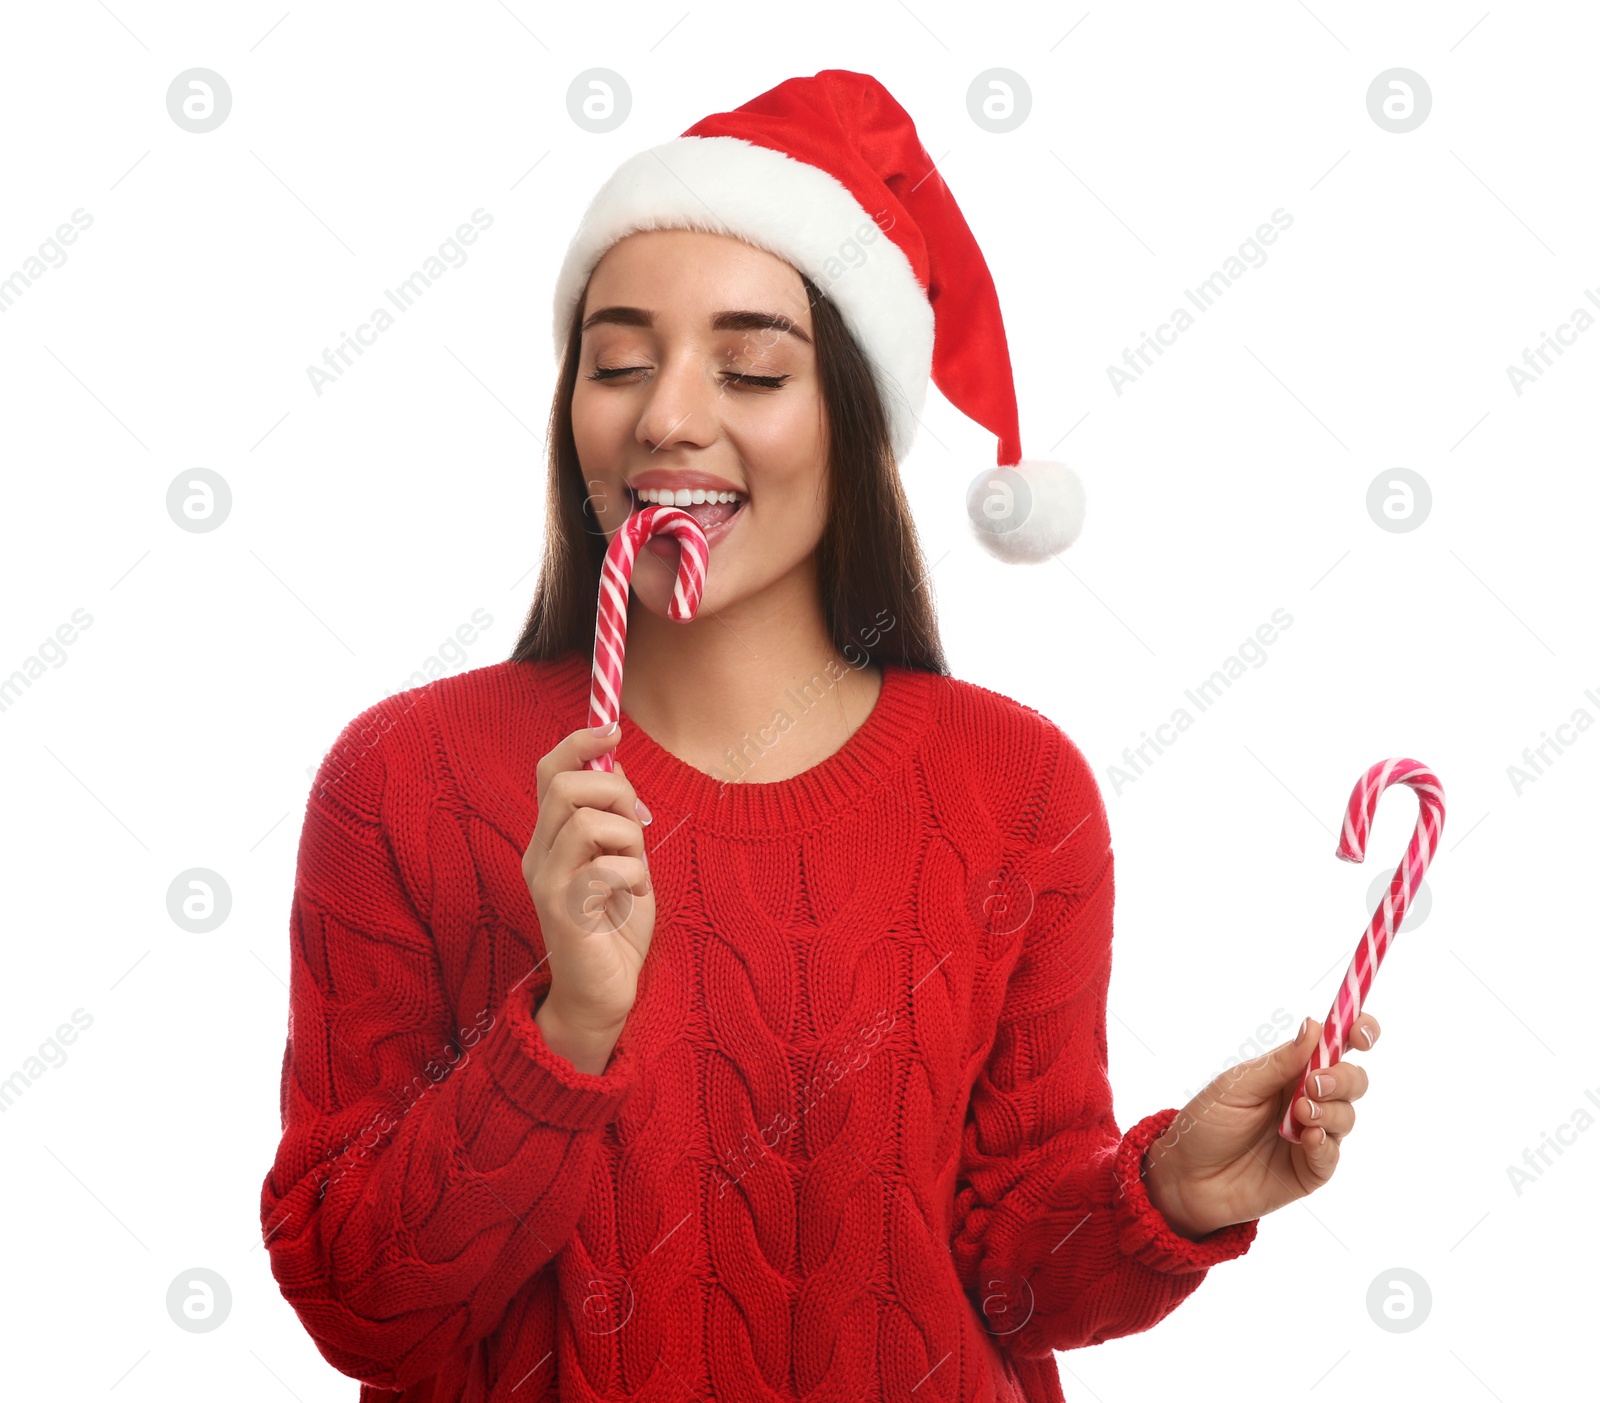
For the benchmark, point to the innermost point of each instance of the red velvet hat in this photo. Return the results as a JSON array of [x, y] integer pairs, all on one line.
[[827, 173]]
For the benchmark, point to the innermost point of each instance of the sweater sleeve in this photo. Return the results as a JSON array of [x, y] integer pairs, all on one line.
[[1056, 1240], [430, 1163]]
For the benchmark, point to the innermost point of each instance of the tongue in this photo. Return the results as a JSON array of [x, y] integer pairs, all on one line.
[[710, 514]]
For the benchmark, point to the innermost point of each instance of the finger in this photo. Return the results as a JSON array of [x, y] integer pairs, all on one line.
[[567, 791], [592, 833], [1322, 1151], [597, 885], [1343, 1081], [588, 789], [574, 753], [1363, 1033], [1335, 1117]]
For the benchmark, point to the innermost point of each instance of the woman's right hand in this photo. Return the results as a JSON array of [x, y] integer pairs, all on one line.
[[591, 890]]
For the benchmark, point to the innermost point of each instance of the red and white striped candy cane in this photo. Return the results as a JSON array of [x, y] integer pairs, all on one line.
[[1391, 910], [611, 614]]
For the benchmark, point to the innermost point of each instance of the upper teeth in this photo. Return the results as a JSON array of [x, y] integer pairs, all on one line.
[[684, 496]]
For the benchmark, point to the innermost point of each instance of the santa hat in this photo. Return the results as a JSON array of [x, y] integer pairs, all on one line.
[[828, 174]]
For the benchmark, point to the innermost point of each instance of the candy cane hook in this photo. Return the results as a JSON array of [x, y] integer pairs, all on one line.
[[1391, 910], [611, 613]]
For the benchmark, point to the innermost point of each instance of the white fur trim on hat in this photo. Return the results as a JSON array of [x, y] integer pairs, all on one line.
[[726, 185]]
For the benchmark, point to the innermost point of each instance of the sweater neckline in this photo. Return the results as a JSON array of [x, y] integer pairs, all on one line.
[[883, 743]]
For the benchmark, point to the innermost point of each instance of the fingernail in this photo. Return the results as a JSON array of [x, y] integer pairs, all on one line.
[[639, 808], [1316, 1110], [1316, 1086], [1366, 1032], [1303, 1026], [609, 729]]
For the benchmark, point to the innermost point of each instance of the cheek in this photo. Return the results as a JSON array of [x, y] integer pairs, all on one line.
[[787, 460], [599, 422], [787, 449]]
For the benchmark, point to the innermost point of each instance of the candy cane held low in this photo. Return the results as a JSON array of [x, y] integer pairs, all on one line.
[[611, 613], [1391, 911]]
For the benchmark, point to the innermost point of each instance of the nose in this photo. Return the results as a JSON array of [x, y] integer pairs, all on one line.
[[680, 410]]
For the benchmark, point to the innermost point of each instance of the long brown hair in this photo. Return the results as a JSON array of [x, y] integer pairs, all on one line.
[[875, 586]]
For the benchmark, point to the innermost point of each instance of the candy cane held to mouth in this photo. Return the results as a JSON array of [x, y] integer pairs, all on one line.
[[1391, 910], [611, 614]]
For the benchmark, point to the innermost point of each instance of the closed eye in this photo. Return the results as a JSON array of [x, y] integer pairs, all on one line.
[[765, 382]]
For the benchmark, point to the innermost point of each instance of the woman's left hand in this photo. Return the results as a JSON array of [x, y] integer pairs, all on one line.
[[1223, 1161]]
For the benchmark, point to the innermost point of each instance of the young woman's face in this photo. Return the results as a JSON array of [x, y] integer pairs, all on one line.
[[698, 371]]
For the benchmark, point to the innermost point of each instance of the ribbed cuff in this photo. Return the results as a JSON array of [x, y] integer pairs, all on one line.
[[544, 1084], [1144, 1233]]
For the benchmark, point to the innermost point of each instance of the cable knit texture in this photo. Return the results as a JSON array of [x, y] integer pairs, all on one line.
[[856, 1138]]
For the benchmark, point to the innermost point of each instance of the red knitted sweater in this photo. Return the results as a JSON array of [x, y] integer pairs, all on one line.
[[856, 1137]]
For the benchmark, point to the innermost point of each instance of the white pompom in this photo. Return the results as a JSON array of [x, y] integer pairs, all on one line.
[[1027, 512]]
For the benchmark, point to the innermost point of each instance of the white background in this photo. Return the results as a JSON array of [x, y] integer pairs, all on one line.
[[368, 523]]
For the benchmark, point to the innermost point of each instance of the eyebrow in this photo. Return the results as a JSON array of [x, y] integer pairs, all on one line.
[[722, 321]]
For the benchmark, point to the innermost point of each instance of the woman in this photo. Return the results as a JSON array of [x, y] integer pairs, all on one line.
[[815, 1101]]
